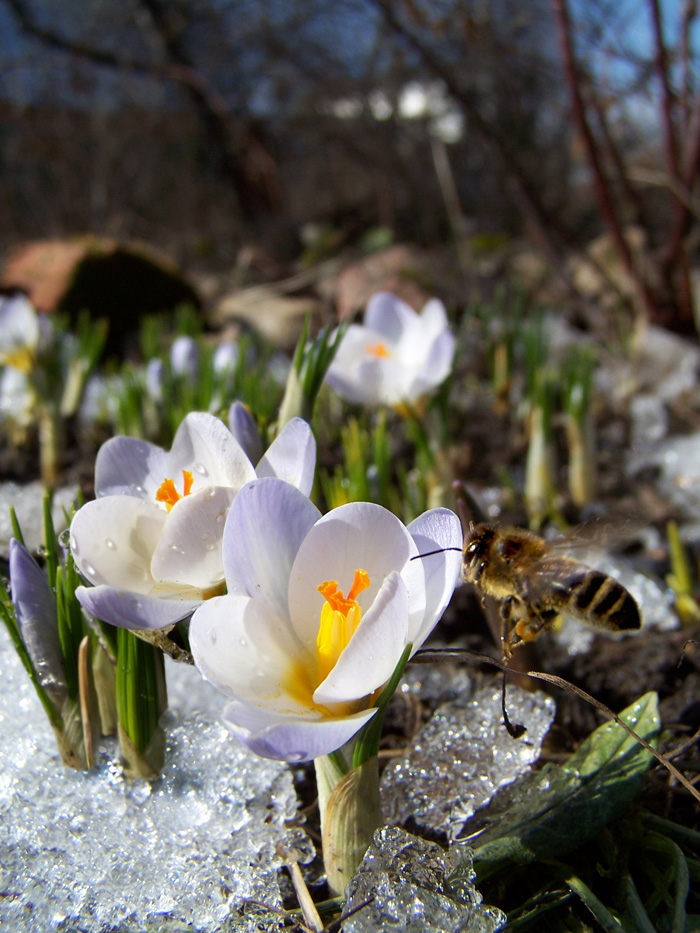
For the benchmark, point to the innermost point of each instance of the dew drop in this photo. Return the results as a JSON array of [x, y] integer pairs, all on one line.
[[64, 539], [295, 756], [139, 489], [201, 469], [110, 544], [89, 569], [243, 642], [73, 544], [210, 547], [212, 637]]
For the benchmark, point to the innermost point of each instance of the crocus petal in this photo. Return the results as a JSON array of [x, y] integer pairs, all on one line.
[[184, 357], [286, 738], [113, 540], [35, 609], [189, 550], [134, 610], [204, 445], [244, 428], [244, 651], [437, 365], [19, 326], [128, 466], [431, 531], [291, 456], [356, 536], [390, 316], [268, 521], [433, 319], [372, 653]]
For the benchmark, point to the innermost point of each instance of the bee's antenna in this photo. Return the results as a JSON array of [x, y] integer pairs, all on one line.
[[440, 550]]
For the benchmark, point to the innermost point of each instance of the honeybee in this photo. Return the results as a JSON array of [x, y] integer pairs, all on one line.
[[535, 585]]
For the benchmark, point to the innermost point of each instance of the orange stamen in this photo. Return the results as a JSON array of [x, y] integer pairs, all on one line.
[[378, 350], [169, 495], [329, 590]]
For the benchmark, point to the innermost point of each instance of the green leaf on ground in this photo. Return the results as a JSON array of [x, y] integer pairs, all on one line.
[[563, 806]]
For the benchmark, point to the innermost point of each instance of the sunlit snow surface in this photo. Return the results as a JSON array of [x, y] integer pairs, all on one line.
[[92, 852], [461, 757]]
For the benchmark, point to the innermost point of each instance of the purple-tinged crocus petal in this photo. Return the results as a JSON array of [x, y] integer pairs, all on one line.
[[269, 521], [134, 610], [291, 739], [35, 610], [245, 429], [291, 456]]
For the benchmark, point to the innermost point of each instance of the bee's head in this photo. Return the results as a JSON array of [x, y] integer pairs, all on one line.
[[477, 545]]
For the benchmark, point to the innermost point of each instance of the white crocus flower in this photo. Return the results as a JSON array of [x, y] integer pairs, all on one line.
[[21, 333], [184, 357], [301, 661], [396, 357], [150, 543]]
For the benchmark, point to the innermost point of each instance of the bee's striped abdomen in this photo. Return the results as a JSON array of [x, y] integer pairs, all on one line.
[[604, 602]]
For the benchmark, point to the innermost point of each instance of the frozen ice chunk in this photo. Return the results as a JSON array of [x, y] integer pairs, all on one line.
[[93, 852], [461, 757], [28, 502], [405, 883]]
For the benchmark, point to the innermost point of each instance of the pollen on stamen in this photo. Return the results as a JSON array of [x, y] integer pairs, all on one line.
[[168, 494], [378, 350]]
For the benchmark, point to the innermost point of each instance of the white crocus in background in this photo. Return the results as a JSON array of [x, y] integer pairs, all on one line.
[[22, 333], [318, 613], [395, 357], [184, 357], [150, 543]]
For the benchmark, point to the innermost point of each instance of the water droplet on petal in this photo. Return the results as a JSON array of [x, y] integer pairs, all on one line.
[[243, 642], [110, 544], [139, 489], [73, 544], [201, 469], [89, 569], [212, 637], [64, 539], [296, 756], [210, 547]]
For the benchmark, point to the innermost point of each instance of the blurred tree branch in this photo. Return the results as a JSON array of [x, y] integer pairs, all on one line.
[[243, 158], [663, 286]]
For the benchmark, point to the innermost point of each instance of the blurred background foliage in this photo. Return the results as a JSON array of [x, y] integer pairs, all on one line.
[[208, 125]]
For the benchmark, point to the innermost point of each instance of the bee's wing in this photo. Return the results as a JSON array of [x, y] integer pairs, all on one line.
[[553, 577], [596, 536]]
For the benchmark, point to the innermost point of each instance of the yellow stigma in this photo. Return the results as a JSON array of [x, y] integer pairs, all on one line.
[[21, 358], [378, 350], [169, 495], [340, 617]]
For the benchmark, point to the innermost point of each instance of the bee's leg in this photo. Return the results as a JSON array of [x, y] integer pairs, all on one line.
[[509, 611], [535, 621], [511, 618]]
